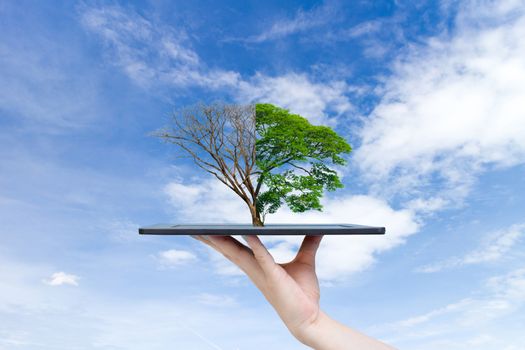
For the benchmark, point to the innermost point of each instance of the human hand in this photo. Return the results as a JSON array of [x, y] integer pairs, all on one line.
[[293, 290]]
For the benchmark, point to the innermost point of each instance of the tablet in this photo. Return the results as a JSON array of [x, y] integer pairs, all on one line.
[[269, 229]]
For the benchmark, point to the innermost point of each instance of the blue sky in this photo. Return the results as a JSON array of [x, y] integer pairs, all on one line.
[[430, 95]]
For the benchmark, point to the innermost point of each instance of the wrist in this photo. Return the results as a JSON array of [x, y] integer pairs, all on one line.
[[325, 333], [314, 332]]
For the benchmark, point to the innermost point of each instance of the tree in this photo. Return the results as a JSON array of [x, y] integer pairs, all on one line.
[[264, 154]]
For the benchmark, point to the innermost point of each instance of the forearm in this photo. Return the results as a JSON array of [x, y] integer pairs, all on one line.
[[328, 334]]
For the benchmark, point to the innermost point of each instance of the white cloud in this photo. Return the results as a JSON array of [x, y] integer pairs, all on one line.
[[210, 201], [62, 278], [452, 108], [428, 205], [175, 257], [297, 92], [206, 201], [493, 249], [341, 256]]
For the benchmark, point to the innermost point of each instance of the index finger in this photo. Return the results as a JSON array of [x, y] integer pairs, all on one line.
[[261, 254], [234, 251]]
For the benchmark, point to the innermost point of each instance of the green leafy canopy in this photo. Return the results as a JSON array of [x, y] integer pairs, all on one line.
[[293, 158]]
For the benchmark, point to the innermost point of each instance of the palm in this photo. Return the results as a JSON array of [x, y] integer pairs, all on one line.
[[304, 276], [302, 289], [293, 289]]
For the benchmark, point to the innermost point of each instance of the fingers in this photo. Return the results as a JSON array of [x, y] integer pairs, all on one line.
[[261, 254], [234, 251], [308, 249]]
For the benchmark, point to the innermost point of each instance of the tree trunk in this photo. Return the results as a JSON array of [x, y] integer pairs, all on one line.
[[256, 217], [256, 221]]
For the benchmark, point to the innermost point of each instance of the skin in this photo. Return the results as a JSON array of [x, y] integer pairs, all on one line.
[[293, 291]]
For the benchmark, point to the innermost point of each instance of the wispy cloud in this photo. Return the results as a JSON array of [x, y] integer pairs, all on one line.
[[300, 22], [122, 230], [361, 29], [493, 249], [376, 38], [500, 296], [216, 300], [152, 54], [62, 278]]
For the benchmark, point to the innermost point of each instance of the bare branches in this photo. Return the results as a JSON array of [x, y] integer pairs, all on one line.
[[220, 139]]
